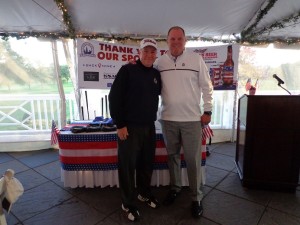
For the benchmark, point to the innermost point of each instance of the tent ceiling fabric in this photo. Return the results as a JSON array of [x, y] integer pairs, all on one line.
[[28, 16], [199, 18], [212, 19]]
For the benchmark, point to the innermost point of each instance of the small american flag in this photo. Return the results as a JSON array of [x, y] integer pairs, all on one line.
[[54, 134], [207, 132]]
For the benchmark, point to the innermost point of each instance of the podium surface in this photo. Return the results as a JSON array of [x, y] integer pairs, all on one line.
[[268, 141]]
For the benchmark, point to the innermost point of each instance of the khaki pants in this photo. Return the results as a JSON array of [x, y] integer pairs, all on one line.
[[188, 136]]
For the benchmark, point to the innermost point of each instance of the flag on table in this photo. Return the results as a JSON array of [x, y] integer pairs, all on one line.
[[54, 133], [248, 84], [207, 132]]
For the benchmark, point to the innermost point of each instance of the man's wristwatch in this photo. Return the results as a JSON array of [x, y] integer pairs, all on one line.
[[208, 113]]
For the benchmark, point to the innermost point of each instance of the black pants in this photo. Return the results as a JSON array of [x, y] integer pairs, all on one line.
[[135, 160]]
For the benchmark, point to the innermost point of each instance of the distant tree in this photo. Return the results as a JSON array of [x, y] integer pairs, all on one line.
[[247, 67], [247, 55], [65, 73]]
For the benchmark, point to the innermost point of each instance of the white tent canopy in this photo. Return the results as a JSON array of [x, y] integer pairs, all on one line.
[[234, 20]]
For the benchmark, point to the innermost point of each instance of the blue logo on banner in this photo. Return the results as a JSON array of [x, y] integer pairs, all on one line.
[[87, 49]]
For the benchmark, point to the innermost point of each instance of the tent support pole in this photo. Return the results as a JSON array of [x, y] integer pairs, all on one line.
[[73, 72], [59, 85]]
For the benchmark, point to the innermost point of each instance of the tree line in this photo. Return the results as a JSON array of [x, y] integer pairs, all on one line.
[[17, 70]]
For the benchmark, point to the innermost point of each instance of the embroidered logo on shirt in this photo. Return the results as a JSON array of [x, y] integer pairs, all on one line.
[[183, 64], [155, 81]]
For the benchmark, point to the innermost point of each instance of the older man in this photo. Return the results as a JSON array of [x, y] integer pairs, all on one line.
[[133, 105]]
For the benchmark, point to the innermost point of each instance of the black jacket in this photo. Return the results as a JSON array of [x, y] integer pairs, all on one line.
[[134, 95]]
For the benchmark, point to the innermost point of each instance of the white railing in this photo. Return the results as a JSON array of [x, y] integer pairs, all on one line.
[[25, 120], [20, 113], [33, 113]]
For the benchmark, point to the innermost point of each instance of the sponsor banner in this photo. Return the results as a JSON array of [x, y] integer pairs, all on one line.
[[99, 62], [222, 64]]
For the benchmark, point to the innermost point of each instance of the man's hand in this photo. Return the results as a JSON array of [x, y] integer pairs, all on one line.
[[131, 61], [122, 133], [205, 119]]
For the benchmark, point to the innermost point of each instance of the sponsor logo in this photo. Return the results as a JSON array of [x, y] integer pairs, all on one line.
[[200, 51], [106, 66], [87, 49], [205, 54], [98, 65], [109, 76], [90, 76], [149, 41]]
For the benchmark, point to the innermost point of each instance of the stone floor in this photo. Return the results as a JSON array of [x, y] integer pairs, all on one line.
[[46, 201]]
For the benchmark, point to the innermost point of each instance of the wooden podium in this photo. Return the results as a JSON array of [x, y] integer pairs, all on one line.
[[268, 142]]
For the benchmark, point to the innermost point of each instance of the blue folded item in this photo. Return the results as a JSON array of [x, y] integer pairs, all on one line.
[[107, 121], [95, 123], [98, 118]]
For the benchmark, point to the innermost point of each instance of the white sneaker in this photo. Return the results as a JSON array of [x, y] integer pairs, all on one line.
[[151, 201], [132, 213]]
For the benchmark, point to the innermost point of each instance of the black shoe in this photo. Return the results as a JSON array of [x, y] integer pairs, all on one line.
[[151, 201], [171, 196], [207, 153], [132, 212], [197, 209]]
